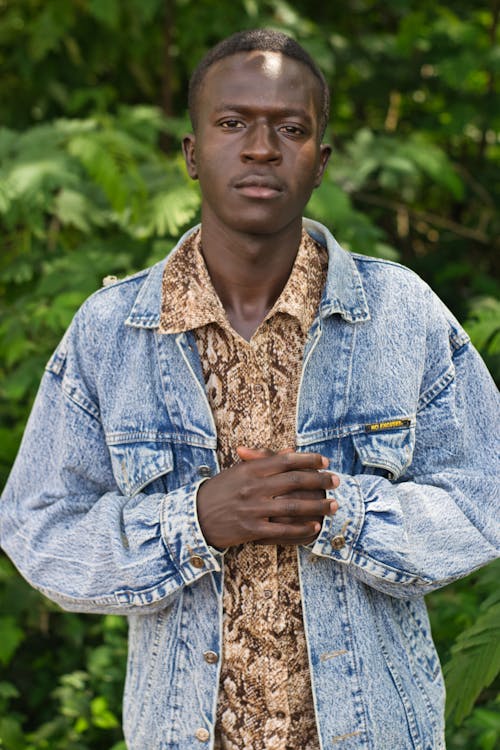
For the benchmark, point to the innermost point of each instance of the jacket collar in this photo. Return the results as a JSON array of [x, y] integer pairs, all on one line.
[[343, 293]]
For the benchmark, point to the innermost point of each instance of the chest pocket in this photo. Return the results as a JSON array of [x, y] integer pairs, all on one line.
[[387, 453], [141, 466]]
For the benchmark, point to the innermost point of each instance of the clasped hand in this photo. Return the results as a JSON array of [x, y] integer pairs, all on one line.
[[268, 498]]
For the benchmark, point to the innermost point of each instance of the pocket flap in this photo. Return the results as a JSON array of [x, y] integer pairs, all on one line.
[[137, 464], [391, 450]]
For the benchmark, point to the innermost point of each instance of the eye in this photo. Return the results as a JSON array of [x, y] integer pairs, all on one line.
[[231, 124], [294, 130]]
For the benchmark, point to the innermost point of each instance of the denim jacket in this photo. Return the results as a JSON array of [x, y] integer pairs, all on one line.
[[99, 512]]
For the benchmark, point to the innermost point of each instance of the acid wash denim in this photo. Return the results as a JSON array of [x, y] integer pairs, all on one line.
[[100, 510]]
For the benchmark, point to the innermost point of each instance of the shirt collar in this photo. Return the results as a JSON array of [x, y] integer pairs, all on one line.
[[190, 301], [343, 292]]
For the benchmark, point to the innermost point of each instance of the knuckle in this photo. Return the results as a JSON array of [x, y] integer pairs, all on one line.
[[245, 490]]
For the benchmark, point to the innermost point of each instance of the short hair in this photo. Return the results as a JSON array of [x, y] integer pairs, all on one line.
[[264, 40]]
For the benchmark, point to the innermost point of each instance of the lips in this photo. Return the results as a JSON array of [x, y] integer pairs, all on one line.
[[258, 186]]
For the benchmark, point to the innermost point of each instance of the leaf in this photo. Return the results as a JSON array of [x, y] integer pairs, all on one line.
[[329, 203], [474, 663], [169, 211], [8, 690], [8, 140], [11, 734], [106, 11], [101, 715], [483, 324], [10, 638], [30, 177], [72, 208]]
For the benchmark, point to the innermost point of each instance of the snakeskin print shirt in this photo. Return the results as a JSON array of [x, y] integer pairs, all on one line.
[[265, 698]]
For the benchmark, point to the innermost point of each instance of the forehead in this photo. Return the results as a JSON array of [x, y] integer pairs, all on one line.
[[261, 77]]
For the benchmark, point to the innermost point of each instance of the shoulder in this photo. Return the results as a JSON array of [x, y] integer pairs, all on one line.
[[116, 298], [399, 300]]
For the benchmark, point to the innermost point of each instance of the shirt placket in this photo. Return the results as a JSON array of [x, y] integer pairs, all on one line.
[[275, 675]]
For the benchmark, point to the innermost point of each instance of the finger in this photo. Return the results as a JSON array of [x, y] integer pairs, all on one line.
[[295, 533], [278, 463], [287, 520], [286, 542], [296, 509], [294, 482], [303, 495]]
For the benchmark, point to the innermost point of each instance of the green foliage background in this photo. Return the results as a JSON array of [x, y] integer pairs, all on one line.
[[92, 107]]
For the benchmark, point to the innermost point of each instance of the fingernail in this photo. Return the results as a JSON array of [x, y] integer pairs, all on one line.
[[334, 506], [324, 461]]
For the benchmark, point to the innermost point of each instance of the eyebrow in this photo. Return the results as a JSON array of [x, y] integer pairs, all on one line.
[[283, 112]]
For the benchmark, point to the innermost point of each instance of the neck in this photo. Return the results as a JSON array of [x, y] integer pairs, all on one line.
[[249, 271]]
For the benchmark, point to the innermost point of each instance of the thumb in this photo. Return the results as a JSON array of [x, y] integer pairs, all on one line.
[[250, 454]]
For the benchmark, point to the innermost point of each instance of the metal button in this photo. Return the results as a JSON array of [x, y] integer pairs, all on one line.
[[259, 388], [267, 593], [202, 734], [196, 561], [211, 657], [338, 541], [204, 471]]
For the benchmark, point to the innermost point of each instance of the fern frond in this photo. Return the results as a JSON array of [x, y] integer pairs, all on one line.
[[474, 662], [169, 211], [483, 324]]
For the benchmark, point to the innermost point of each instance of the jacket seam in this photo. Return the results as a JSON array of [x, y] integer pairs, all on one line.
[[69, 393], [436, 388]]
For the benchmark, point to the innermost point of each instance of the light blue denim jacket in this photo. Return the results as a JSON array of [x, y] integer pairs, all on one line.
[[100, 509]]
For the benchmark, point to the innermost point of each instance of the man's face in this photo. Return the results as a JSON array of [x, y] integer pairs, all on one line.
[[257, 151]]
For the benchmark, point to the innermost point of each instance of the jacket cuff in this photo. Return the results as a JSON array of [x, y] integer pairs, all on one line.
[[182, 535], [340, 532]]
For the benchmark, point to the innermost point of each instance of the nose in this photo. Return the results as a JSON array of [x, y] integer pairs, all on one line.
[[261, 144]]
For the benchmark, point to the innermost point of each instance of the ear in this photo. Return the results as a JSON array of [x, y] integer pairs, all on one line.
[[324, 154], [189, 151]]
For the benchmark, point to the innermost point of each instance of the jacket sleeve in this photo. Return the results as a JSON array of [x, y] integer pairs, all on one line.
[[439, 520], [74, 536]]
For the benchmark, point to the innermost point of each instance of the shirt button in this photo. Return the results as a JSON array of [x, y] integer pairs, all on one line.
[[338, 541], [204, 471], [267, 593], [202, 734], [211, 657], [259, 388], [280, 715], [196, 562]]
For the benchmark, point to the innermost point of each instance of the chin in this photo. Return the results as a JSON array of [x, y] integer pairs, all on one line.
[[263, 225]]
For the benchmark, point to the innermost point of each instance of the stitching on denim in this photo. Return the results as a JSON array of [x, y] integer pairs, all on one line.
[[436, 388]]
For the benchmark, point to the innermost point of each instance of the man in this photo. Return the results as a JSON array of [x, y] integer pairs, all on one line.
[[264, 451]]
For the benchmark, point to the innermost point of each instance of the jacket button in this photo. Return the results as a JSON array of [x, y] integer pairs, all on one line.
[[196, 562], [202, 734], [338, 541], [211, 657], [204, 471]]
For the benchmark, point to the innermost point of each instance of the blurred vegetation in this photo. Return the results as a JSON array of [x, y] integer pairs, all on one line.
[[92, 108]]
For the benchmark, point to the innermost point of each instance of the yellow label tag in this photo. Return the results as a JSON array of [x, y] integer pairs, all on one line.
[[392, 424]]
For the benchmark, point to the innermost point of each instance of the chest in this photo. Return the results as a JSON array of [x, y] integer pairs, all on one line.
[[356, 392]]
